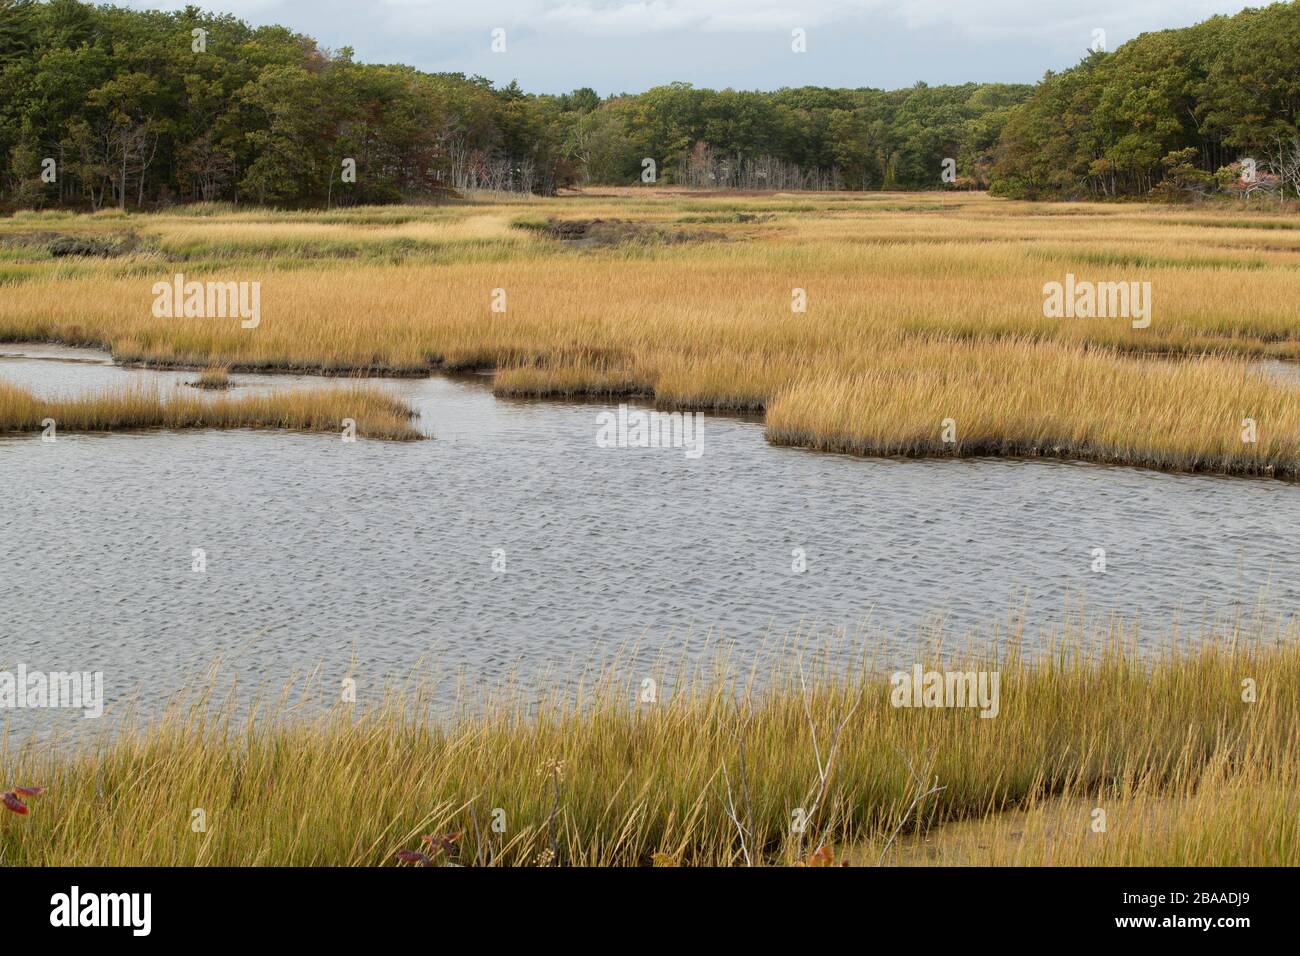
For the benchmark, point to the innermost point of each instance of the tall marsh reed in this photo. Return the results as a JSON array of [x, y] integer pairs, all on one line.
[[715, 769]]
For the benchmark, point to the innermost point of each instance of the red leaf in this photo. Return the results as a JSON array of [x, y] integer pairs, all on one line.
[[445, 842], [29, 791], [13, 803]]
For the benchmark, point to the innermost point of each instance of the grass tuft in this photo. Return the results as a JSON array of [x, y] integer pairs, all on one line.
[[376, 414], [216, 378]]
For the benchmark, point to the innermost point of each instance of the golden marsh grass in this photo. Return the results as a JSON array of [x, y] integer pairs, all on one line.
[[1188, 771], [377, 415], [920, 308]]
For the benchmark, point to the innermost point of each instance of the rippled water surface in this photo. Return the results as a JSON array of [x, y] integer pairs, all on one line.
[[371, 557]]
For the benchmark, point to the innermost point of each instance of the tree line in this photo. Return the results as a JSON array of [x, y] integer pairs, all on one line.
[[1174, 114], [102, 106]]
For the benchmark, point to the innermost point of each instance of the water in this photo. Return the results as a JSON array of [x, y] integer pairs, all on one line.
[[371, 558]]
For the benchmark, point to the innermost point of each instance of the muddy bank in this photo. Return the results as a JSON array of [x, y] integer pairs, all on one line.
[[1281, 468], [595, 233], [60, 246]]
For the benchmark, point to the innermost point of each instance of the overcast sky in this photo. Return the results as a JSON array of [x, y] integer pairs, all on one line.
[[618, 46]]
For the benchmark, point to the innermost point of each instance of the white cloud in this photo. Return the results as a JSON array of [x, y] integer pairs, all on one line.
[[743, 43], [715, 15], [976, 18], [1028, 18]]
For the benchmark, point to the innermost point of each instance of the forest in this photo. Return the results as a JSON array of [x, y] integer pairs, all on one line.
[[102, 106]]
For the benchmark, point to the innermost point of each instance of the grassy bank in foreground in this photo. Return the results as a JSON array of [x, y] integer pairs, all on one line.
[[315, 410], [917, 309], [716, 772]]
